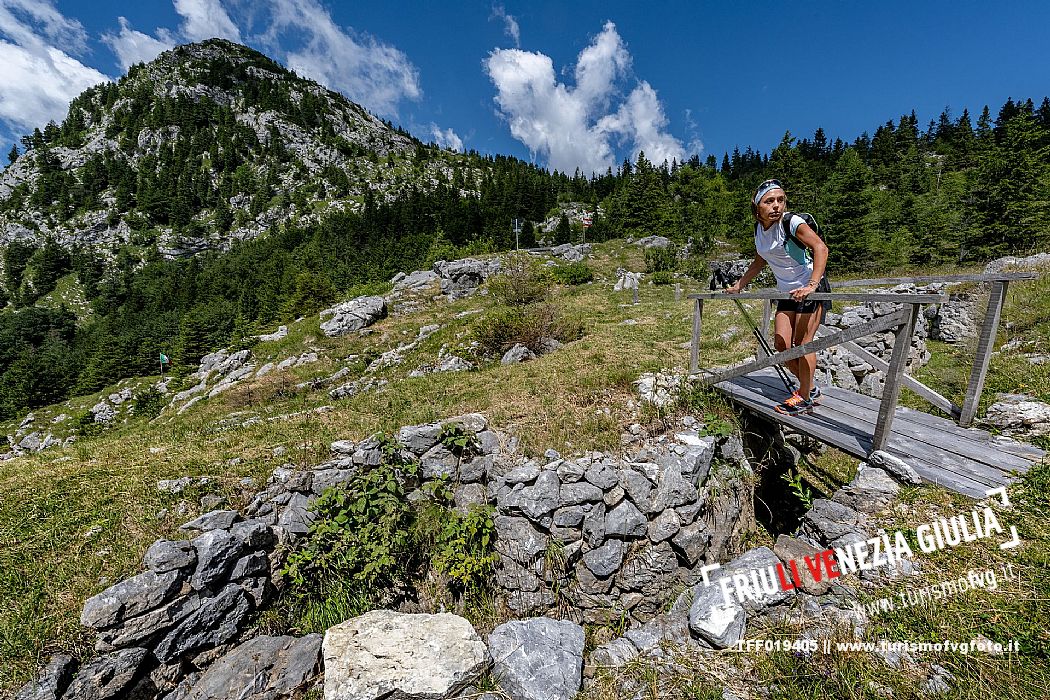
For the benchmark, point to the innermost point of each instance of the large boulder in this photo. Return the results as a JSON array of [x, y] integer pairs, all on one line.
[[538, 659], [385, 654], [352, 315]]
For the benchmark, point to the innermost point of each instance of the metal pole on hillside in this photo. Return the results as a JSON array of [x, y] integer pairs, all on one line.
[[517, 230]]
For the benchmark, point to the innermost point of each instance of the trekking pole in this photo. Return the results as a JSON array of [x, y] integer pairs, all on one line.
[[719, 280], [781, 372]]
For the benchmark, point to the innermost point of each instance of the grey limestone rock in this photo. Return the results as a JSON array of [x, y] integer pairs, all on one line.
[[666, 525], [419, 438], [542, 497], [604, 561], [870, 491], [217, 552], [263, 668], [649, 570], [438, 462], [166, 555], [692, 541], [130, 597], [107, 676], [352, 315], [602, 475], [793, 549], [518, 353], [896, 467], [626, 521], [580, 492], [51, 682], [385, 654], [137, 631], [538, 659], [717, 621], [827, 521], [518, 539], [215, 520], [217, 621]]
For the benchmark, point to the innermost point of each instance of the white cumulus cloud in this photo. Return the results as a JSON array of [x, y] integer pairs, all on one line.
[[39, 79], [446, 138], [374, 74], [510, 24], [576, 126], [205, 19], [133, 47], [299, 33]]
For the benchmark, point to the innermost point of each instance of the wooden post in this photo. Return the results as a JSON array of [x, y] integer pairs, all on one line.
[[767, 312], [985, 344], [694, 346], [677, 292], [635, 293], [892, 389]]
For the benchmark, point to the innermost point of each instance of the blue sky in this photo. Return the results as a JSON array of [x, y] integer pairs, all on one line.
[[567, 84]]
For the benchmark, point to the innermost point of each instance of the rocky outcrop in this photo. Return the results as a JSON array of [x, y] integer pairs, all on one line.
[[263, 668], [460, 278], [352, 315], [954, 321], [840, 367]]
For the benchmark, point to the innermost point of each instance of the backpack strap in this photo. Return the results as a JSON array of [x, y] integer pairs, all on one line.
[[789, 235]]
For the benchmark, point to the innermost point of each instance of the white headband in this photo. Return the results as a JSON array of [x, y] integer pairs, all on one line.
[[766, 187]]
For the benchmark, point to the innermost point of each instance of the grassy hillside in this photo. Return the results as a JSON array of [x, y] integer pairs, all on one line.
[[75, 520]]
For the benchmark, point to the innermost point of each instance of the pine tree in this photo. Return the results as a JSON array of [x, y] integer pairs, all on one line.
[[12, 156]]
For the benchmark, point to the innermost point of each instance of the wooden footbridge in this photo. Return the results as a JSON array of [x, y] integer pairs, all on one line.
[[944, 452]]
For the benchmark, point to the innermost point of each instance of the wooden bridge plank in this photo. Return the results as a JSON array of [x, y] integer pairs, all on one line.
[[905, 425], [830, 415], [830, 296], [854, 441], [1030, 453]]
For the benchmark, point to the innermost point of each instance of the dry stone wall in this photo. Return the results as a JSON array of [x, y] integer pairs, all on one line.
[[607, 535]]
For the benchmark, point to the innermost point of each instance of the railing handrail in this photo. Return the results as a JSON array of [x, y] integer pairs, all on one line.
[[932, 279], [773, 294]]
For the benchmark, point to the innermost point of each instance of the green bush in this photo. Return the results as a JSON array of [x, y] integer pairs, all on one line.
[[661, 259], [149, 403], [662, 277], [573, 273], [523, 281], [360, 535], [503, 328]]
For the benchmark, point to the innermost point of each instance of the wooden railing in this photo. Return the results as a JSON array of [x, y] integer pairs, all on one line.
[[901, 322]]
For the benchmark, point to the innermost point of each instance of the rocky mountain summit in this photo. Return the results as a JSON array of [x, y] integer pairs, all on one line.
[[205, 145]]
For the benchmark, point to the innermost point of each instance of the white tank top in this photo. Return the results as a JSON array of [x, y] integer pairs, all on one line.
[[793, 267]]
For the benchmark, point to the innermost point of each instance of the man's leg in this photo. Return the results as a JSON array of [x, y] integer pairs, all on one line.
[[784, 327], [805, 328]]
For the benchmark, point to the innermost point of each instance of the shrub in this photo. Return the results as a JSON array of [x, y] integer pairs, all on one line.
[[573, 273], [503, 328], [662, 277], [661, 259], [360, 534], [149, 403], [522, 282]]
